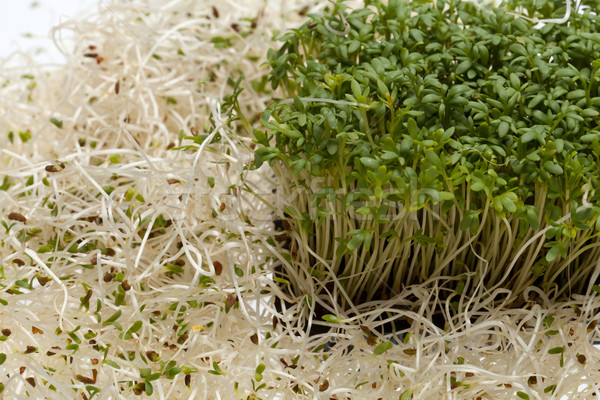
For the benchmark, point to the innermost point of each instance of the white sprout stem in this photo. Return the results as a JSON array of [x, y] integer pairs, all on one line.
[[562, 20], [56, 279], [330, 101]]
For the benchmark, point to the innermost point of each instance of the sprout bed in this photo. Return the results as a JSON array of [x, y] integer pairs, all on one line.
[[149, 250]]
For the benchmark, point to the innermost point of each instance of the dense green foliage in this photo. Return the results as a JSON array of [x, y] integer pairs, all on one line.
[[435, 139]]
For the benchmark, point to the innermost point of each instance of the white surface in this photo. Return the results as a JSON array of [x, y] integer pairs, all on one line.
[[25, 25]]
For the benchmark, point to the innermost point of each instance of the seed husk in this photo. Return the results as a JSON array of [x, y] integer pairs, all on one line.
[[218, 268], [15, 216], [230, 300]]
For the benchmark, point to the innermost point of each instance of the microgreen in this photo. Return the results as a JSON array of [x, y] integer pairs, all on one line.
[[25, 136], [56, 122], [382, 348], [430, 139], [216, 369]]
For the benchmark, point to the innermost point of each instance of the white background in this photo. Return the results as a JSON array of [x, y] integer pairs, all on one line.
[[21, 18]]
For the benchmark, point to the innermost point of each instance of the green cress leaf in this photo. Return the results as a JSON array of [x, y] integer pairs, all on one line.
[[553, 168], [532, 217], [411, 125], [370, 163]]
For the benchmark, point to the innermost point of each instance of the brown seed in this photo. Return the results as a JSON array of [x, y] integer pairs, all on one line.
[[173, 181], [31, 381], [183, 338], [152, 355], [6, 332], [15, 216], [108, 277], [374, 385], [43, 280], [194, 130], [222, 207], [95, 361], [99, 59], [179, 262], [581, 358], [532, 380], [410, 352], [187, 380], [303, 11], [366, 330], [84, 379], [117, 87], [37, 330], [254, 338], [469, 374], [92, 47], [218, 268], [371, 340], [230, 300], [52, 168], [282, 237], [507, 385], [591, 326], [170, 145], [87, 297], [21, 370], [324, 386], [125, 285], [90, 55], [110, 252], [215, 12], [19, 262], [30, 349]]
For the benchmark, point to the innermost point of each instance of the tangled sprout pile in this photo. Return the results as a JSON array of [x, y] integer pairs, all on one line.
[[136, 256]]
